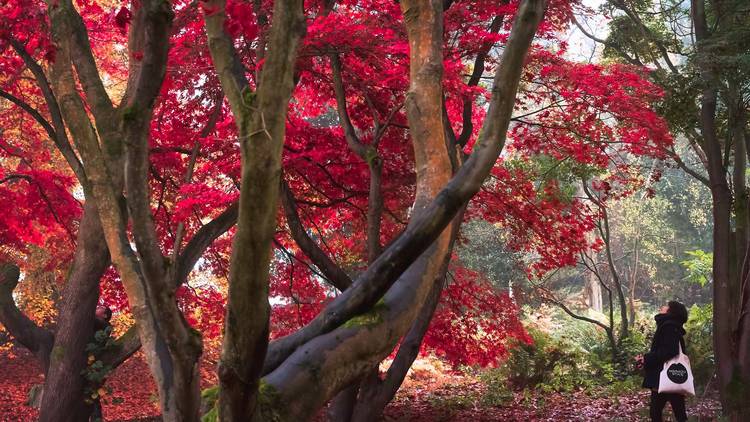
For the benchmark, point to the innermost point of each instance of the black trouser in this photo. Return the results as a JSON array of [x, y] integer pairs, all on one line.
[[658, 400]]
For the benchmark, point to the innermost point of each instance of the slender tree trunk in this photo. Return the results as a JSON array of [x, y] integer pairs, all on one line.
[[260, 117], [593, 293], [593, 284], [738, 124], [633, 278]]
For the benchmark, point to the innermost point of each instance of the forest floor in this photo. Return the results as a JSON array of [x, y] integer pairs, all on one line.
[[427, 395]]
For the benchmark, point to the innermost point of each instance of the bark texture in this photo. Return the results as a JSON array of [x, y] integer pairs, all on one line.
[[63, 397], [261, 121], [171, 347], [37, 339]]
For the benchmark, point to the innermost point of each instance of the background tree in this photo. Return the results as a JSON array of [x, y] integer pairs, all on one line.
[[698, 52]]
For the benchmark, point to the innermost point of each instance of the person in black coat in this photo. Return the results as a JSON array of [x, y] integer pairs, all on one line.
[[668, 337]]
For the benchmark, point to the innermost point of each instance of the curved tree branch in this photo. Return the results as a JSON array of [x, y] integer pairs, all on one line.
[[34, 113], [330, 269], [476, 75], [647, 33], [38, 340], [61, 138], [632, 60], [203, 239], [124, 347]]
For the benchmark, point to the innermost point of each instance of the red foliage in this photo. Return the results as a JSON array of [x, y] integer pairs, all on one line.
[[588, 115], [474, 323]]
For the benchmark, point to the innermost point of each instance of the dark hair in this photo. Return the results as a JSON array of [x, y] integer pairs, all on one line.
[[678, 310]]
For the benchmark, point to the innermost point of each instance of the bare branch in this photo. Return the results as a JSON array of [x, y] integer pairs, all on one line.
[[61, 137], [330, 269], [476, 75], [632, 60], [203, 239]]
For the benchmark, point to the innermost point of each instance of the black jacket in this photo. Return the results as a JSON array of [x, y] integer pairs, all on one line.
[[669, 333]]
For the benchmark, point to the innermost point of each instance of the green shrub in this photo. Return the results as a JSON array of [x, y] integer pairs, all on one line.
[[496, 391], [578, 358], [699, 341], [548, 364], [529, 365], [209, 410]]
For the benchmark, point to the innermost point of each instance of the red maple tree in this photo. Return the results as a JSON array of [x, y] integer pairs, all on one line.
[[352, 167]]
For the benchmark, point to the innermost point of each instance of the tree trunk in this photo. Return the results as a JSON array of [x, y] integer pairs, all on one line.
[[64, 385], [594, 290], [730, 287], [260, 117], [633, 279]]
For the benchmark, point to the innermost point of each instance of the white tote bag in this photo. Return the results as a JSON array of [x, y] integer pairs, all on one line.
[[676, 377]]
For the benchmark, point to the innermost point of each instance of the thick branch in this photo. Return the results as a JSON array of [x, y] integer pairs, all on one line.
[[226, 62], [261, 122], [330, 269], [203, 239], [88, 74], [376, 393], [149, 34], [36, 339], [124, 347]]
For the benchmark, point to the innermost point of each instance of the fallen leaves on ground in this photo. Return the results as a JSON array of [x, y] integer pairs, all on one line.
[[428, 395]]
